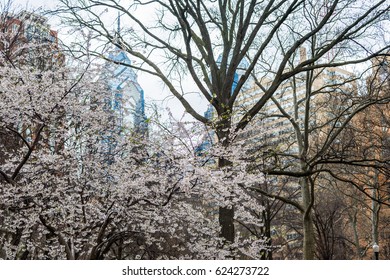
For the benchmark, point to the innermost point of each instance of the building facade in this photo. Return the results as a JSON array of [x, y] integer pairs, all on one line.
[[27, 39], [372, 127]]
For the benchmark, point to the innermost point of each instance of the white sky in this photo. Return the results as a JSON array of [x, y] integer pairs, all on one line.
[[35, 4]]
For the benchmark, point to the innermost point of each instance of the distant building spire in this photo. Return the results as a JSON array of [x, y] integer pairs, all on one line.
[[119, 23], [117, 32]]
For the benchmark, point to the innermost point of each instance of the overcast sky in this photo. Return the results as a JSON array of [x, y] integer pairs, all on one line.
[[35, 3]]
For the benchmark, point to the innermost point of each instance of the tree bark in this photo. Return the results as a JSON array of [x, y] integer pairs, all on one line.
[[226, 222], [308, 238], [375, 207], [226, 214], [308, 225]]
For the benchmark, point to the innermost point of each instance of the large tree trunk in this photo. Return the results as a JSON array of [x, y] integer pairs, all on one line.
[[226, 214], [226, 222]]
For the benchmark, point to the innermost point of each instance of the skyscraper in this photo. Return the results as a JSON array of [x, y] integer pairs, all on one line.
[[127, 97], [124, 102]]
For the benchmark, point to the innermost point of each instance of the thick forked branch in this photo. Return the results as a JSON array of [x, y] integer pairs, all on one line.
[[95, 253], [279, 197], [7, 178], [68, 250]]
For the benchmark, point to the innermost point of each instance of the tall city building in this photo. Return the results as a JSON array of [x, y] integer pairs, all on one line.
[[127, 101], [273, 128], [27, 38], [372, 132]]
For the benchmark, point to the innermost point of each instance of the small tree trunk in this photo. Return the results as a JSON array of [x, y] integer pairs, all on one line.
[[267, 253], [375, 209], [308, 225], [353, 223], [308, 238]]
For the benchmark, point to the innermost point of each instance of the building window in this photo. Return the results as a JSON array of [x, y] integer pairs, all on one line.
[[292, 236], [15, 28], [383, 70]]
